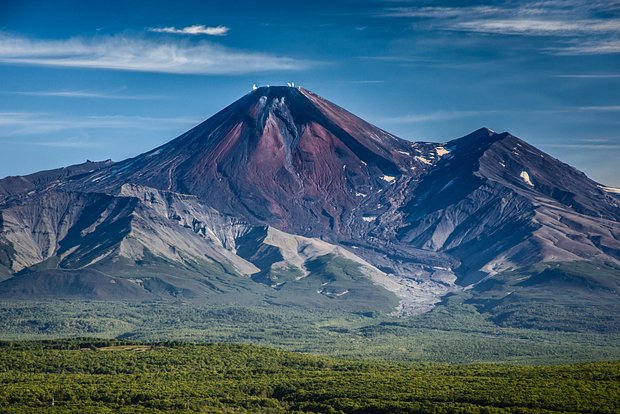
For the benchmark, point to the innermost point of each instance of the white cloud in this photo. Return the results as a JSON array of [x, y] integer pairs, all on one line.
[[588, 146], [601, 108], [433, 116], [599, 47], [539, 27], [143, 55], [458, 114], [590, 75], [83, 94], [197, 29], [37, 123], [592, 26], [68, 143], [439, 12]]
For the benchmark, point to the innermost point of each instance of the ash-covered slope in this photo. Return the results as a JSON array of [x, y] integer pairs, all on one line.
[[141, 243], [281, 156], [284, 167], [496, 203], [17, 185]]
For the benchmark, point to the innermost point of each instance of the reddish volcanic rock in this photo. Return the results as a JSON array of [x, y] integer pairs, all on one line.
[[252, 189], [279, 155], [287, 158]]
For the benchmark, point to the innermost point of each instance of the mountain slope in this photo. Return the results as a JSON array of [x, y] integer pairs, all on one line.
[[18, 185], [280, 156], [284, 195], [498, 203], [142, 243]]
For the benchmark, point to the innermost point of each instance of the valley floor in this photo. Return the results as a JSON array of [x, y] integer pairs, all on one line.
[[105, 376]]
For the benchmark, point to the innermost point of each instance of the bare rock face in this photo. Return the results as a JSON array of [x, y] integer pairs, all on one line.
[[20, 185], [282, 187], [496, 203], [142, 244], [280, 156]]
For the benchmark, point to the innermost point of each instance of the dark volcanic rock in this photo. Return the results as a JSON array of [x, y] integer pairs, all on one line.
[[18, 185], [280, 156], [496, 203], [429, 214]]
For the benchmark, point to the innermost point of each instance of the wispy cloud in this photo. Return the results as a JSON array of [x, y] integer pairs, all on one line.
[[399, 58], [457, 114], [601, 108], [67, 143], [593, 26], [143, 55], [439, 12], [197, 29], [37, 123], [434, 116], [83, 94], [589, 144], [596, 47], [589, 75], [539, 27], [365, 81]]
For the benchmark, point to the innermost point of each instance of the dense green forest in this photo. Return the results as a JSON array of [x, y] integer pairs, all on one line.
[[454, 332], [107, 376]]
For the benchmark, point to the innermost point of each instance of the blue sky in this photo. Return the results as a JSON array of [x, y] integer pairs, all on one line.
[[110, 79]]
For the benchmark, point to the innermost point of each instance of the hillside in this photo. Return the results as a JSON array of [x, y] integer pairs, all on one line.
[[284, 198]]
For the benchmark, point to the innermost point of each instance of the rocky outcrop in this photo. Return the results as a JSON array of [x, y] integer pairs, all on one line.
[[283, 186]]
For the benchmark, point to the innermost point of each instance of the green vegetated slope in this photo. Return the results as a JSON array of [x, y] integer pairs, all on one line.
[[453, 332], [97, 377], [575, 297]]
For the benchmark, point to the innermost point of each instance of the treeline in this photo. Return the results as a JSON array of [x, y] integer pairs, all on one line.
[[117, 376]]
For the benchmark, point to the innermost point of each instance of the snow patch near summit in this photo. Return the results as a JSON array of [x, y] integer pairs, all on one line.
[[526, 177], [423, 160], [441, 151]]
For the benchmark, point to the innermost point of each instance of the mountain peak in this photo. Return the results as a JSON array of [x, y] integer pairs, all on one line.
[[286, 158], [480, 137], [281, 155], [278, 92], [281, 89]]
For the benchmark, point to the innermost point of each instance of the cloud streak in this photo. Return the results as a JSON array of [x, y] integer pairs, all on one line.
[[610, 145], [458, 114], [14, 124], [597, 47], [434, 116], [601, 108], [539, 26], [67, 143], [439, 12], [83, 94], [197, 29], [142, 55], [592, 26], [589, 76]]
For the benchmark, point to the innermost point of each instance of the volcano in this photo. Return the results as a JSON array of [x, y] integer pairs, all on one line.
[[281, 156], [284, 195]]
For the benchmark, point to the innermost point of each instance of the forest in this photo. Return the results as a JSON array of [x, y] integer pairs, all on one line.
[[99, 376], [454, 332]]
